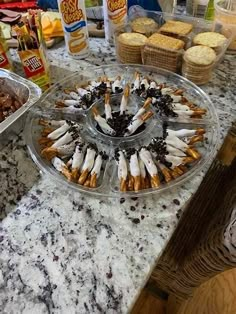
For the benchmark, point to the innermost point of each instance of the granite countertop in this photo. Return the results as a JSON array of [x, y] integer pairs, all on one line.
[[63, 252]]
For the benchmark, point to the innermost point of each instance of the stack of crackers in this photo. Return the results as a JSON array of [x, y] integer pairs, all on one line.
[[198, 64], [210, 39], [129, 46], [199, 60], [163, 51]]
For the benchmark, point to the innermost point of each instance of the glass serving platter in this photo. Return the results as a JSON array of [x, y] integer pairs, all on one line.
[[108, 181]]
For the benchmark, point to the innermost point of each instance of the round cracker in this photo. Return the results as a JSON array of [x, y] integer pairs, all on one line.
[[201, 55], [210, 39], [132, 39], [143, 25]]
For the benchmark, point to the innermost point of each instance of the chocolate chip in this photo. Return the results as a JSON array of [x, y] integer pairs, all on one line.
[[159, 225], [142, 217], [132, 208], [141, 249], [164, 206], [122, 200], [136, 221], [109, 275], [134, 198], [176, 202], [178, 214], [55, 258]]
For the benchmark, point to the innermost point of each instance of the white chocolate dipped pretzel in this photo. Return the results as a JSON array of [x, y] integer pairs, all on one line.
[[60, 166], [146, 157], [135, 124], [142, 110], [177, 106], [185, 132], [59, 131], [75, 96], [135, 171], [122, 171], [103, 123], [67, 137], [108, 113], [116, 85], [165, 171], [144, 83], [53, 123], [136, 81], [124, 100], [68, 103], [95, 173], [62, 151], [88, 165], [77, 160], [181, 145]]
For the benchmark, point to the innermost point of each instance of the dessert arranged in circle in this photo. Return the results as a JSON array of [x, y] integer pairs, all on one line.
[[146, 163]]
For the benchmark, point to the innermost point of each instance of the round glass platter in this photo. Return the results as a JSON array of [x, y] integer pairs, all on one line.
[[108, 182]]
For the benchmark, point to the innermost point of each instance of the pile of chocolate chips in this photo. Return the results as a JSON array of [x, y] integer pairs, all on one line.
[[130, 152], [164, 106], [119, 123], [163, 103], [158, 145]]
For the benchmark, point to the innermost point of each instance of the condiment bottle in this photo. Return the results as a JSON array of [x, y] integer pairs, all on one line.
[[74, 22], [115, 16]]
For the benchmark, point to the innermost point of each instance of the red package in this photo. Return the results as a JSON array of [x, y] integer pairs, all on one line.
[[18, 6]]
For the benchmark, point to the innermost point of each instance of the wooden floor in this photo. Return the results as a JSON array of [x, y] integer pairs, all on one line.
[[217, 296]]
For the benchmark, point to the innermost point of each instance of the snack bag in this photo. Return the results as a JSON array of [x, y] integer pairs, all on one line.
[[32, 50]]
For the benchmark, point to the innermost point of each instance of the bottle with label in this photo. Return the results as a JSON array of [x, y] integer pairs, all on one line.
[[115, 16], [74, 23]]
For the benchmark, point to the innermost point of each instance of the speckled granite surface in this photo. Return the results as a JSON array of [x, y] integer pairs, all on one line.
[[62, 252]]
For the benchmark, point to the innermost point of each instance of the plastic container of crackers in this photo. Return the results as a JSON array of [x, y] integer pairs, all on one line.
[[186, 45]]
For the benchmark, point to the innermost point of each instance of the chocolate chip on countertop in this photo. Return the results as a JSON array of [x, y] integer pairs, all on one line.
[[164, 206], [132, 208], [176, 202], [122, 200], [178, 214], [142, 217], [109, 275], [55, 258], [134, 198], [136, 221]]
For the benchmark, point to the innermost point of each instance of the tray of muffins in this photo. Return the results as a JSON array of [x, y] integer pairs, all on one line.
[[186, 45], [122, 131]]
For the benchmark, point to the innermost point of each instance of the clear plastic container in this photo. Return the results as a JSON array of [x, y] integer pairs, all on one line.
[[172, 59], [228, 19], [108, 182]]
